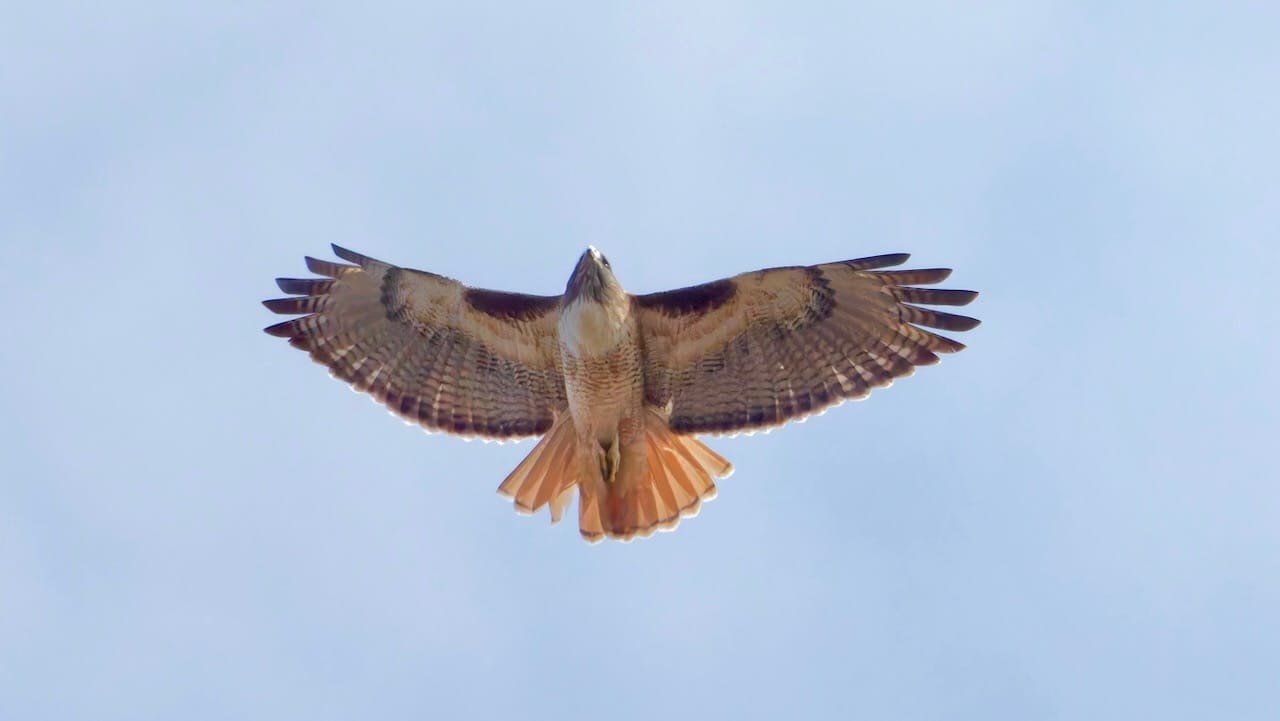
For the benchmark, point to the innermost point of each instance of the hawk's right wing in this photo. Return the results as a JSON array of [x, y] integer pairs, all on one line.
[[451, 358]]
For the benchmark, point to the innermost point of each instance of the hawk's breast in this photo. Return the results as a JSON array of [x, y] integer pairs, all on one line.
[[600, 357]]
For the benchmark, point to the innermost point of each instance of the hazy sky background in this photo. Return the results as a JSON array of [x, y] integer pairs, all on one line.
[[1077, 518]]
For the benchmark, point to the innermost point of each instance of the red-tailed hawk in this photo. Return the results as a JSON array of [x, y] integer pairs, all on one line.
[[617, 384]]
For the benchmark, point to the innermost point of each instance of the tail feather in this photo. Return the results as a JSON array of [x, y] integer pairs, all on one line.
[[647, 508], [589, 522], [676, 476], [716, 464], [707, 464], [664, 477], [663, 483], [560, 503], [672, 478], [559, 460], [690, 479], [543, 475]]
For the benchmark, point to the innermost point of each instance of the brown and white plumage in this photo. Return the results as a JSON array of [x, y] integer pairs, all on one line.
[[617, 384]]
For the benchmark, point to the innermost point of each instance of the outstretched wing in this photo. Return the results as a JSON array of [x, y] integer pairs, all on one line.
[[758, 349], [452, 358]]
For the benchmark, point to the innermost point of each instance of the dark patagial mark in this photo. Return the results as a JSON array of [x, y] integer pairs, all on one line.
[[693, 300], [509, 306]]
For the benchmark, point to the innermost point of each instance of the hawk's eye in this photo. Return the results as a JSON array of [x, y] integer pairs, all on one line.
[[605, 261]]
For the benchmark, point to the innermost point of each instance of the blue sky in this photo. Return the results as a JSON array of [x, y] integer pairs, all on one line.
[[1074, 519]]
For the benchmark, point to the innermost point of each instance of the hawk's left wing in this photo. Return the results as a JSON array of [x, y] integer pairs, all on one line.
[[451, 358], [757, 349]]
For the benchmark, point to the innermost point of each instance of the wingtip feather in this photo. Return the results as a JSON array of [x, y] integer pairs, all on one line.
[[326, 268], [287, 329], [878, 261], [350, 255]]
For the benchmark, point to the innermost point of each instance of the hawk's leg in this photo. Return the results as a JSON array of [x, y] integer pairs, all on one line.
[[610, 458]]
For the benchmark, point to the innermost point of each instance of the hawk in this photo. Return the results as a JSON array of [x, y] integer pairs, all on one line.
[[617, 385]]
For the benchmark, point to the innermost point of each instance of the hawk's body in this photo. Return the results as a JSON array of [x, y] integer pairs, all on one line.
[[616, 384]]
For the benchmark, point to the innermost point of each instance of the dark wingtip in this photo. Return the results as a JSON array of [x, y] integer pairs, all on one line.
[[349, 255], [878, 261], [961, 322], [287, 306], [933, 296], [280, 330]]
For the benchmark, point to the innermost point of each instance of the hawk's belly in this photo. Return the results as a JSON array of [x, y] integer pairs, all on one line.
[[604, 391]]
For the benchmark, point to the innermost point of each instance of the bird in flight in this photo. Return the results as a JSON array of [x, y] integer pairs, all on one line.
[[618, 385]]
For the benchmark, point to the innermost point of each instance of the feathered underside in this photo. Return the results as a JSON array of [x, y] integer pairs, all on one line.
[[744, 353]]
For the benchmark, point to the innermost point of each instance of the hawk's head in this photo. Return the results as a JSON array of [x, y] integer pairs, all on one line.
[[592, 279]]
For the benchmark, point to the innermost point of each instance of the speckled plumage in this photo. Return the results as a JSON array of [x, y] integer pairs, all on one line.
[[616, 383]]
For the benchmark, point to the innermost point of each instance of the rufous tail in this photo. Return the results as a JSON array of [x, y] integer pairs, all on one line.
[[663, 477], [548, 474]]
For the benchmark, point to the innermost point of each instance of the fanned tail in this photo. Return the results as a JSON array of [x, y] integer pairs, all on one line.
[[663, 477]]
